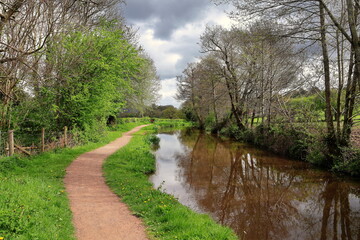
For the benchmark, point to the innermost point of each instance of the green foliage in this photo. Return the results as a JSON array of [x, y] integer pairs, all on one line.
[[316, 155], [231, 131], [189, 114], [126, 173], [307, 109], [348, 162], [152, 139], [164, 111], [285, 139], [95, 70], [122, 124], [90, 133], [210, 123], [297, 142], [172, 123], [91, 73], [170, 113]]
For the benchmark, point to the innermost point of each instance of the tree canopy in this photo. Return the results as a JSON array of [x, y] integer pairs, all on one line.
[[70, 63]]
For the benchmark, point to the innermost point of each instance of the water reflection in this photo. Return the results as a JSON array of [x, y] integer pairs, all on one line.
[[257, 194]]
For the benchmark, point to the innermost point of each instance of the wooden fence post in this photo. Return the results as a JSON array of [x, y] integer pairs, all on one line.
[[65, 136], [11, 142], [43, 140], [7, 148]]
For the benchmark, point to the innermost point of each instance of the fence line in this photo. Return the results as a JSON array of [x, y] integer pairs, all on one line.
[[30, 143]]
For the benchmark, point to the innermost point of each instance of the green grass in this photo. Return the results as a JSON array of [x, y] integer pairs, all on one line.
[[33, 201], [171, 123], [127, 172], [34, 204]]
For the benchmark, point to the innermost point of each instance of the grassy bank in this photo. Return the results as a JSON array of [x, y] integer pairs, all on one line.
[[127, 172], [33, 203]]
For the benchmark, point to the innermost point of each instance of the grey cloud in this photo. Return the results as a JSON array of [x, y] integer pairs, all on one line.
[[169, 101], [138, 10], [190, 49], [165, 74], [171, 14]]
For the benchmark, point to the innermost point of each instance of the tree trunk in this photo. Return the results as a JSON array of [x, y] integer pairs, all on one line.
[[326, 63], [234, 109], [214, 102], [340, 56], [351, 87]]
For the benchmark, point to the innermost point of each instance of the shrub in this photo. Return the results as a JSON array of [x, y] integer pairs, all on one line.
[[348, 161], [153, 139], [316, 155], [283, 139], [210, 123], [231, 131]]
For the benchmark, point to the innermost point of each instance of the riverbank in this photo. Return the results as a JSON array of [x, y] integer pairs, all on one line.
[[258, 194], [126, 173], [300, 142], [33, 202]]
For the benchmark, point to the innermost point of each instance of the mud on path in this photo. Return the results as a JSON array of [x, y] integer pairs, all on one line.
[[97, 211]]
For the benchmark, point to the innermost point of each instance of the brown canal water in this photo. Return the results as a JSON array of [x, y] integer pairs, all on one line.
[[259, 195]]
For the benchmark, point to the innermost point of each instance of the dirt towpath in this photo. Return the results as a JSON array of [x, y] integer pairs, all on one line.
[[97, 211]]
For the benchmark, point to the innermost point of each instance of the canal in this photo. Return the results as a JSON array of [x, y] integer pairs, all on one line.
[[257, 194]]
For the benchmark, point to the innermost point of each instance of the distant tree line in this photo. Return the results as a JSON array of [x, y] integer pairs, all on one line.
[[154, 111], [69, 63]]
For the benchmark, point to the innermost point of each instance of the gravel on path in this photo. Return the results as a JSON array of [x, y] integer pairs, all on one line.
[[97, 212]]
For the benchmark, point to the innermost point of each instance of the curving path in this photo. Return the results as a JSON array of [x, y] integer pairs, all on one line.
[[97, 211]]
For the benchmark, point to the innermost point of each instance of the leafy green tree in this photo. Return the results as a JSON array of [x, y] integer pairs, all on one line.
[[170, 113], [91, 76]]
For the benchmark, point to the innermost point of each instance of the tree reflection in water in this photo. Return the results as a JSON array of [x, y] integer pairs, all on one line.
[[262, 196]]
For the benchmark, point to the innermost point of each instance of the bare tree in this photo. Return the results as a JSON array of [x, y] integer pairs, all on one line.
[[320, 22], [225, 44]]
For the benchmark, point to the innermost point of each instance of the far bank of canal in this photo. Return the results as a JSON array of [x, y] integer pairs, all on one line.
[[256, 193]]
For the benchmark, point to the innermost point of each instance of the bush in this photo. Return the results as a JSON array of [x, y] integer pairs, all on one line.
[[152, 139], [283, 139], [210, 123], [316, 155], [231, 131], [348, 161]]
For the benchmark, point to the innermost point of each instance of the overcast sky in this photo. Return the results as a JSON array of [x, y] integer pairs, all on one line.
[[169, 31]]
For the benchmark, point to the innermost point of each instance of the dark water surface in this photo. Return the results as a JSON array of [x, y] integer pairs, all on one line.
[[258, 194]]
